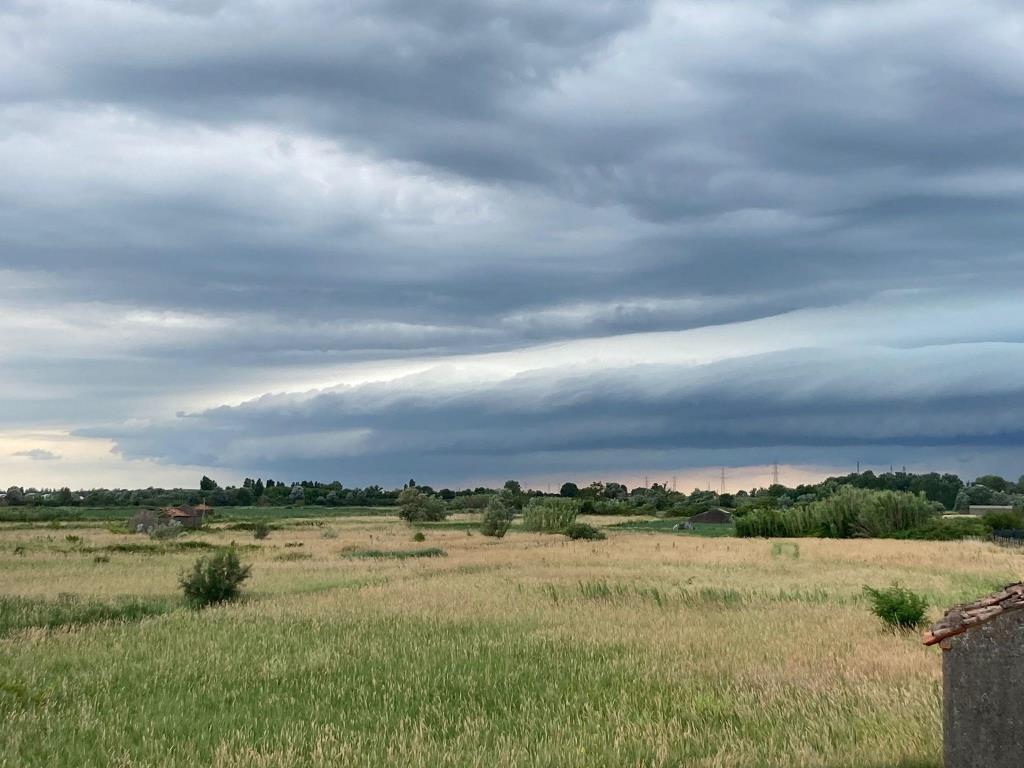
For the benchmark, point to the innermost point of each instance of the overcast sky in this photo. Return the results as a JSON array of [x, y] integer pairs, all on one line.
[[470, 240]]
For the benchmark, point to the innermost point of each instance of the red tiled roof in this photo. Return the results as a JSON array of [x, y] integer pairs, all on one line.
[[183, 511], [962, 617]]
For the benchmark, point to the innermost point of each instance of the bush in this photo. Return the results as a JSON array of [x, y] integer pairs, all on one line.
[[418, 536], [1003, 521], [215, 579], [260, 531], [898, 607], [497, 517], [945, 529], [417, 507], [584, 531], [549, 515]]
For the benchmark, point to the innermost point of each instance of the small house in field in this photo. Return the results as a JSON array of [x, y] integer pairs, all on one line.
[[186, 516], [983, 680], [714, 516], [980, 510]]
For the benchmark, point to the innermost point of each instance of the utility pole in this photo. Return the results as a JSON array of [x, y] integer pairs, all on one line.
[[858, 467], [775, 473], [721, 488]]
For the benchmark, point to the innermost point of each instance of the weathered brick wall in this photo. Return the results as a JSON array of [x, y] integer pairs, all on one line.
[[983, 681]]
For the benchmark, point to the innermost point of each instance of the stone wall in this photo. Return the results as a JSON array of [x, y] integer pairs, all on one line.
[[983, 681]]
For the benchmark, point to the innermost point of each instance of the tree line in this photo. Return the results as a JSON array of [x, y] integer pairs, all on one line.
[[943, 491]]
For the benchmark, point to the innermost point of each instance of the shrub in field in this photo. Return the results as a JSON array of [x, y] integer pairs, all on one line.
[[584, 531], [897, 606], [418, 507], [497, 517], [260, 531], [1003, 521], [550, 515], [418, 536], [948, 529], [214, 579]]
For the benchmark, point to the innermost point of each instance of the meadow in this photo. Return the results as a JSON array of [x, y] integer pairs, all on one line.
[[356, 645]]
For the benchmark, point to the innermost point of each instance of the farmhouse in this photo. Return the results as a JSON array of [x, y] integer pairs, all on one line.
[[983, 680], [716, 515], [187, 516], [984, 509]]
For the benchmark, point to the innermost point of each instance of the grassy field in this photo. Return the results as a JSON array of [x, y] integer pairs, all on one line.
[[102, 514], [357, 646]]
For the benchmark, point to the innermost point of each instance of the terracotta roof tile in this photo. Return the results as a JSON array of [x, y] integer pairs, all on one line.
[[962, 617]]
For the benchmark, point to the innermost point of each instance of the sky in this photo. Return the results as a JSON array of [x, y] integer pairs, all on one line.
[[464, 241]]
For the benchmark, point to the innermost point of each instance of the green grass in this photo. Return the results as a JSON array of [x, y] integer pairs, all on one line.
[[68, 610], [664, 525], [394, 554], [222, 514], [381, 690], [646, 651]]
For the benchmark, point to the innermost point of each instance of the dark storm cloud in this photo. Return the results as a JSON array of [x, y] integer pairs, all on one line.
[[796, 405], [204, 192]]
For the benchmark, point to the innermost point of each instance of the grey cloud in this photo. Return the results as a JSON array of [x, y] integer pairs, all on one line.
[[788, 406], [37, 454], [338, 183]]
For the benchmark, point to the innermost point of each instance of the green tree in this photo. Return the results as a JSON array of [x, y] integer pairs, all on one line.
[[417, 507], [513, 493], [207, 484], [569, 490], [497, 517]]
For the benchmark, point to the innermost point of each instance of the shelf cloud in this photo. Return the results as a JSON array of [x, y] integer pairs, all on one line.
[[475, 239]]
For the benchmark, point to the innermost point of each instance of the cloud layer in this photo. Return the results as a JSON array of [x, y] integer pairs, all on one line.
[[461, 237]]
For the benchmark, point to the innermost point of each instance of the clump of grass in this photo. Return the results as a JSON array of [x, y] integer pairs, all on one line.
[[584, 531], [293, 544], [897, 606], [101, 559], [165, 532], [787, 549], [394, 554], [214, 579], [260, 531], [418, 536], [70, 610], [292, 556], [328, 533]]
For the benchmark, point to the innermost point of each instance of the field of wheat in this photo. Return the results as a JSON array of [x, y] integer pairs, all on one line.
[[645, 649]]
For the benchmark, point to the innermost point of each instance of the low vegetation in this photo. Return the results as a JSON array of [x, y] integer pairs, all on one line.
[[658, 647], [214, 579], [497, 518], [584, 531], [70, 610], [394, 554], [897, 606]]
